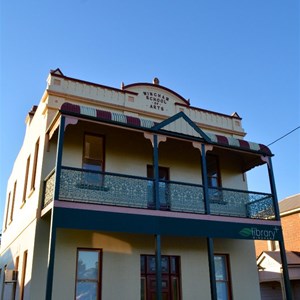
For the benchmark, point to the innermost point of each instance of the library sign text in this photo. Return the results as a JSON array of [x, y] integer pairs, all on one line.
[[259, 234], [156, 100]]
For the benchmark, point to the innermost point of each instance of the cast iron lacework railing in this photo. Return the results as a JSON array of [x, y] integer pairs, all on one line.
[[80, 185]]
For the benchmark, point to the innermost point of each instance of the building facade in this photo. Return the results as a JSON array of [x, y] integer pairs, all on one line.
[[133, 193]]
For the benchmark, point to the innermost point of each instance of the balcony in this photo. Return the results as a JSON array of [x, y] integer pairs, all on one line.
[[78, 185]]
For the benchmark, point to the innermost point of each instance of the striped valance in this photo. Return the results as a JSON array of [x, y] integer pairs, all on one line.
[[148, 124]]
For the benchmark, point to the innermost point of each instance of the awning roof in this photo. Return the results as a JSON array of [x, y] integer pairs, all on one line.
[[214, 139]]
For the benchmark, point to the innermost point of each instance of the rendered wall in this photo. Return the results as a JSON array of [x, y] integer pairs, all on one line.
[[121, 264]]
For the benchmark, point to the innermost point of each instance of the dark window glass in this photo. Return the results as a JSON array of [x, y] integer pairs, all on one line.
[[93, 159], [213, 171], [163, 186]]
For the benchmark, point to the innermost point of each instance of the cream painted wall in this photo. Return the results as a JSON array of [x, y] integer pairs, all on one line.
[[129, 152], [121, 264], [25, 242], [244, 275], [25, 212]]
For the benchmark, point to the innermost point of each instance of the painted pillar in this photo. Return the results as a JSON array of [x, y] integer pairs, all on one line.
[[52, 237], [51, 256], [158, 267], [209, 240], [157, 207], [204, 179], [285, 269], [156, 172], [59, 153]]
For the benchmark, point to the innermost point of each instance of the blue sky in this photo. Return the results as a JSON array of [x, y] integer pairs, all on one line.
[[226, 56]]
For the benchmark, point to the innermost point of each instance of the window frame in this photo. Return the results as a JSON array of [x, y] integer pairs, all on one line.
[[102, 164], [12, 208], [163, 186], [228, 280], [26, 180], [216, 161], [23, 275], [34, 167], [7, 211], [99, 277]]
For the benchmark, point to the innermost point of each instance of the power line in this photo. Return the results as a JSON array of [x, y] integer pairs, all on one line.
[[284, 136]]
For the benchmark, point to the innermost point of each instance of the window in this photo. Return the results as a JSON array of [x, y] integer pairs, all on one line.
[[26, 179], [13, 202], [93, 158], [222, 277], [15, 284], [7, 211], [170, 277], [214, 179], [88, 274], [164, 176], [22, 284], [36, 152], [213, 171]]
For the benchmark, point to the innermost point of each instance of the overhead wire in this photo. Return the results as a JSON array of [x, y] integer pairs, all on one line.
[[284, 136]]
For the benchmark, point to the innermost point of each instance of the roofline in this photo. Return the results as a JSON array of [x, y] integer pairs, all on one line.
[[124, 91], [157, 86], [290, 211], [210, 111], [91, 83]]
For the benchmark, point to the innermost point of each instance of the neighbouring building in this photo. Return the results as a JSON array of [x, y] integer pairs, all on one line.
[[133, 193], [268, 256]]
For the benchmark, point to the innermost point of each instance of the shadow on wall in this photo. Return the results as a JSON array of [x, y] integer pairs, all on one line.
[[13, 282]]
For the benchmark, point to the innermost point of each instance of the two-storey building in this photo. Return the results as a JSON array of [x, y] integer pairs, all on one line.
[[133, 193]]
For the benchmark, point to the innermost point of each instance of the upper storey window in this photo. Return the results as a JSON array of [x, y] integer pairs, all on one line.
[[93, 159], [93, 153], [213, 171]]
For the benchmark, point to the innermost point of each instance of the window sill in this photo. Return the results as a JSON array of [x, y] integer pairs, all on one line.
[[31, 192]]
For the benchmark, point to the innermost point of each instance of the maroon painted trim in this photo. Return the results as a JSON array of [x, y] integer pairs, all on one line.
[[92, 83], [265, 149], [103, 114], [74, 108], [244, 144], [133, 121], [157, 86], [209, 111], [222, 139]]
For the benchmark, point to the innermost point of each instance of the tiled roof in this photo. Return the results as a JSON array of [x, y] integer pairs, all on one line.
[[293, 258], [290, 203]]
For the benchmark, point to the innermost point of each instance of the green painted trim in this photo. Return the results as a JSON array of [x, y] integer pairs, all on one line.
[[212, 269], [151, 224], [59, 154], [158, 267], [204, 179]]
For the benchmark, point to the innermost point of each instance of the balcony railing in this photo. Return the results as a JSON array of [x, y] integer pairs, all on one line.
[[80, 185]]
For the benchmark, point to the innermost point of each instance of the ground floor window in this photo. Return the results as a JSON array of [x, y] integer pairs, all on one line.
[[222, 277], [170, 277], [88, 274]]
